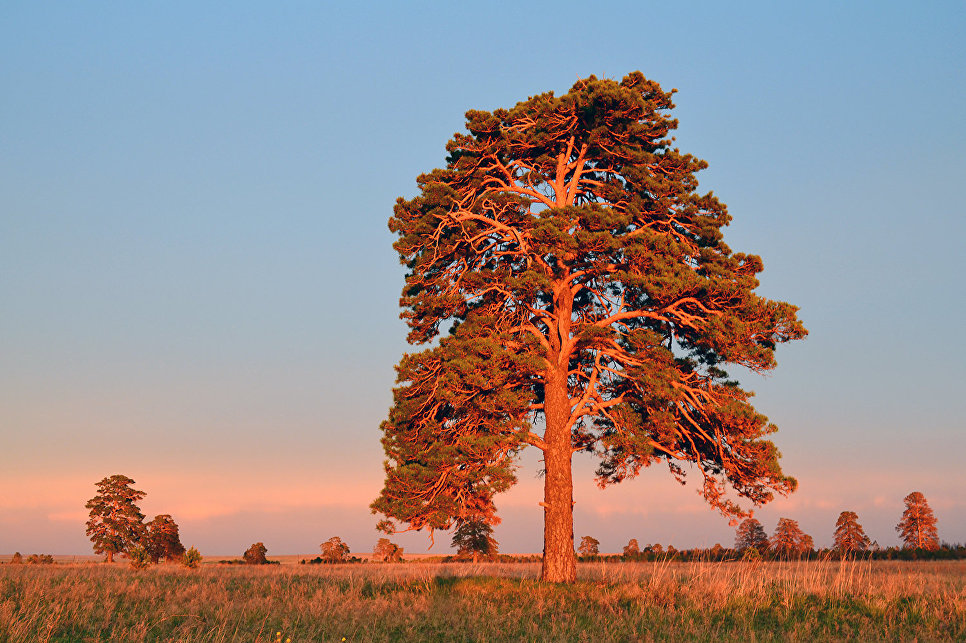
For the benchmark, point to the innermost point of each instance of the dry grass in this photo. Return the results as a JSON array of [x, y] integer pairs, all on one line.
[[487, 602]]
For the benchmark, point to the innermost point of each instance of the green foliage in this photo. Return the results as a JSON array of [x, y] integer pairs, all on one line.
[[415, 602], [563, 272], [751, 554], [473, 538], [116, 523], [255, 555], [140, 557], [191, 558]]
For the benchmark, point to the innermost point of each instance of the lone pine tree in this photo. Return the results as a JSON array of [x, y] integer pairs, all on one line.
[[574, 293]]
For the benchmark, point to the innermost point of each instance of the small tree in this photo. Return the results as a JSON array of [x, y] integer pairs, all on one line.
[[163, 540], [116, 523], [191, 558], [17, 559], [589, 546], [632, 548], [334, 550], [850, 538], [918, 525], [256, 555], [140, 556], [789, 540], [387, 552], [751, 534], [474, 537]]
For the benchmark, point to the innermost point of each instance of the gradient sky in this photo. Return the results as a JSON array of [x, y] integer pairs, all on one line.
[[197, 287]]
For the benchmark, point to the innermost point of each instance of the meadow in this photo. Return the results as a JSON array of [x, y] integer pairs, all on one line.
[[422, 601]]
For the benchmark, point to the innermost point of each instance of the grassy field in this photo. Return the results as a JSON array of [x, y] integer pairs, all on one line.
[[748, 601]]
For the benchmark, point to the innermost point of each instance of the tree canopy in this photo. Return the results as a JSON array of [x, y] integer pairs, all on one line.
[[334, 550], [849, 535], [789, 540], [116, 523], [917, 528], [589, 546], [386, 551], [574, 293], [163, 540], [474, 537], [750, 533]]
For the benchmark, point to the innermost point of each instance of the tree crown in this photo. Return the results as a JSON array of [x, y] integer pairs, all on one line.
[[917, 528], [116, 522], [565, 275]]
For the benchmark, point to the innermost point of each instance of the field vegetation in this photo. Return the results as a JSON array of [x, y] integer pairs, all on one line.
[[704, 601]]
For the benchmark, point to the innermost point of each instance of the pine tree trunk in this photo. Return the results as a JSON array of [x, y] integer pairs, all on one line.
[[559, 560]]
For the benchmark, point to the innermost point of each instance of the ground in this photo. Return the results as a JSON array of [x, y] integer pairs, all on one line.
[[426, 601]]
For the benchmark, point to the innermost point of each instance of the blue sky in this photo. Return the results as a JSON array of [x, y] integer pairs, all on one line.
[[198, 288]]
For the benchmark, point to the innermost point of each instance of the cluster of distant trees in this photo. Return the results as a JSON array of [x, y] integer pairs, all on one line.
[[117, 526], [916, 528], [32, 559], [334, 550]]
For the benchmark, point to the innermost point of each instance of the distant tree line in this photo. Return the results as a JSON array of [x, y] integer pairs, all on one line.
[[916, 528]]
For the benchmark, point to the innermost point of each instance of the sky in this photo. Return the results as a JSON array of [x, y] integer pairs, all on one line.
[[198, 289]]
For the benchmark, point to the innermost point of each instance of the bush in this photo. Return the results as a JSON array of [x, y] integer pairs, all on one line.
[[38, 559], [256, 554], [191, 558], [140, 557]]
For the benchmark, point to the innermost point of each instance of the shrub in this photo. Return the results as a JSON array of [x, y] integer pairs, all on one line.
[[256, 554], [191, 558], [39, 559], [140, 557]]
